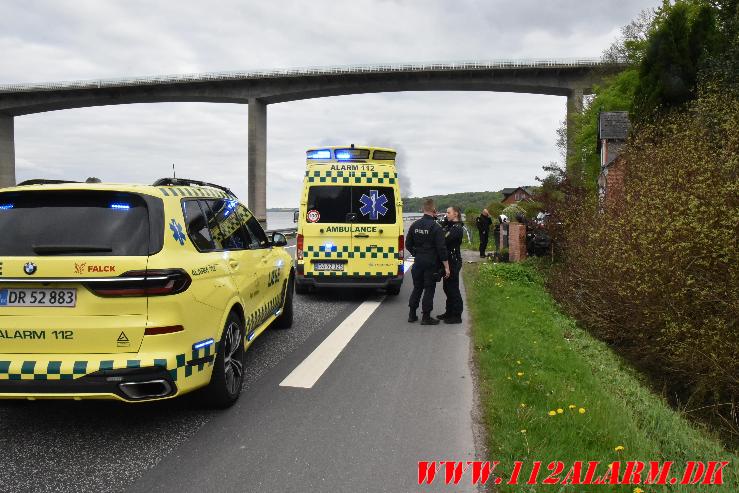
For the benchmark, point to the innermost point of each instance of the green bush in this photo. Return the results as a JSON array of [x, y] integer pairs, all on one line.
[[656, 273], [512, 210], [518, 272]]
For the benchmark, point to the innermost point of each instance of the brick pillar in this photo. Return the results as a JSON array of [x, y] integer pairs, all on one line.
[[516, 242]]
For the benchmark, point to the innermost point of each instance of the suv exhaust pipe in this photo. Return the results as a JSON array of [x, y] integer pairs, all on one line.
[[146, 390]]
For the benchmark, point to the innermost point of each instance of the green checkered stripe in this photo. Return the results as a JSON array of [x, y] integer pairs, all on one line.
[[70, 370], [349, 252], [351, 177], [257, 318], [192, 192]]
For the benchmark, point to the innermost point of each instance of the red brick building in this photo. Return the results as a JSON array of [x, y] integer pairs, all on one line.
[[513, 195], [613, 128]]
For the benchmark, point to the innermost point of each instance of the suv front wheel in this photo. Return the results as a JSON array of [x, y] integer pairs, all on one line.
[[285, 320]]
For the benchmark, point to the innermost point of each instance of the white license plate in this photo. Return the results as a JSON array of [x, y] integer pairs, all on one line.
[[37, 297], [328, 266]]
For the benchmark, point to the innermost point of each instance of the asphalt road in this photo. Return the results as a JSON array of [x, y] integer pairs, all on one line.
[[396, 394]]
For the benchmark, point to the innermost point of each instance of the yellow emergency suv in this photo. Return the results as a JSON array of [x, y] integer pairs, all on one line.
[[350, 222], [134, 292]]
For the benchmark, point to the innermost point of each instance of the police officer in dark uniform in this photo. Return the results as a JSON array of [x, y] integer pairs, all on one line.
[[425, 241], [453, 233], [483, 223]]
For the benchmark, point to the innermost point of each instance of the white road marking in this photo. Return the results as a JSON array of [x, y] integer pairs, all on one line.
[[307, 373]]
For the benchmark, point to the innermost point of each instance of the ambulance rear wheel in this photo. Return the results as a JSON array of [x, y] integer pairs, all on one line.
[[302, 288], [393, 290]]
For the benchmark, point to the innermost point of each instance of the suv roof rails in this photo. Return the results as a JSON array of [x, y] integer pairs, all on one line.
[[43, 181], [186, 182]]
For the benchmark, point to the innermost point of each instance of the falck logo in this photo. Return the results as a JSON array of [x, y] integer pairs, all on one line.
[[29, 268], [79, 268], [374, 205]]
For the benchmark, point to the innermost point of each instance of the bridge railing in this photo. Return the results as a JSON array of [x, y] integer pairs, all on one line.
[[306, 71]]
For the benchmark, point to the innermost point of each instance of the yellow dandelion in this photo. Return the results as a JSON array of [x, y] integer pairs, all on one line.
[[581, 410], [509, 377], [572, 406], [518, 362], [552, 413], [619, 448], [560, 410], [638, 490], [523, 405], [523, 431], [519, 374]]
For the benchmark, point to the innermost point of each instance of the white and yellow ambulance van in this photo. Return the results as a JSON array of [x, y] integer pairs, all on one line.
[[350, 222]]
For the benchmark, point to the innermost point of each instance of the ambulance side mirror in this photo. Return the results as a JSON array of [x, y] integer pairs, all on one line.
[[296, 215]]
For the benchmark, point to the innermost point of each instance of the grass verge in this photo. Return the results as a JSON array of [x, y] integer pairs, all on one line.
[[532, 361]]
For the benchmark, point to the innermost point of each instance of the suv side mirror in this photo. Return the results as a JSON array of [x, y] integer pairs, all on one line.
[[296, 215], [279, 240]]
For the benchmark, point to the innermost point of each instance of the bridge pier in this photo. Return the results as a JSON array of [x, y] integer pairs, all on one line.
[[574, 107], [7, 151], [257, 159]]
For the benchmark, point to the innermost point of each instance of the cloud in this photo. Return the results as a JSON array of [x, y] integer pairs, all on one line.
[[447, 141]]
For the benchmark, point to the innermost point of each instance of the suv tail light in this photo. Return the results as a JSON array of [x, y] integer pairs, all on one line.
[[160, 282], [299, 248]]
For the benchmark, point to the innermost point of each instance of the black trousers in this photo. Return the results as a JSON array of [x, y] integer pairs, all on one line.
[[483, 241], [423, 284], [454, 303]]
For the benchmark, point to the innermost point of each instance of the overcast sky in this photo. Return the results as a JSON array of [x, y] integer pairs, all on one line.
[[449, 141]]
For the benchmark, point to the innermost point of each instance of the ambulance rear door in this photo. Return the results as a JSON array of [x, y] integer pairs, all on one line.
[[327, 236]]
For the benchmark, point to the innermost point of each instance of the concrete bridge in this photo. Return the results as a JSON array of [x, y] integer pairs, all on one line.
[[571, 78]]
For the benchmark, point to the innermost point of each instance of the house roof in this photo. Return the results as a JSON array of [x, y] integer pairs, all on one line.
[[509, 191], [613, 125]]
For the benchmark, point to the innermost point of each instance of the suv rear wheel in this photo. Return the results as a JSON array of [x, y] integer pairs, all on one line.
[[228, 370]]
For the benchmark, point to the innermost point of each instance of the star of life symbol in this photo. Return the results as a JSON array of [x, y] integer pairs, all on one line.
[[374, 205], [177, 232]]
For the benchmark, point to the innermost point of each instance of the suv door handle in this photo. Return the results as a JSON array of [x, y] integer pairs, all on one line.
[[361, 235]]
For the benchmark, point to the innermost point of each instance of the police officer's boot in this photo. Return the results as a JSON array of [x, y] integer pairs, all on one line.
[[453, 319], [427, 320], [442, 316], [412, 317]]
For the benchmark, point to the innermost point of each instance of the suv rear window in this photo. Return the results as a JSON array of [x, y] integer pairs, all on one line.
[[76, 222], [368, 204]]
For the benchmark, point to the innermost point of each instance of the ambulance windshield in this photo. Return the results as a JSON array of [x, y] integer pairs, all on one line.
[[352, 204]]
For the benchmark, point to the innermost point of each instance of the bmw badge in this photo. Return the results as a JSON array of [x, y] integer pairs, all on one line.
[[29, 268]]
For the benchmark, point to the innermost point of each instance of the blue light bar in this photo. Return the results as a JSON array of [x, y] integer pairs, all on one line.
[[120, 206], [343, 155], [320, 154], [229, 208], [202, 344], [5, 207]]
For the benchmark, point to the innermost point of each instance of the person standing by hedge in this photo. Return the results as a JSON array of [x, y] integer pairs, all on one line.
[[452, 226], [483, 223]]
